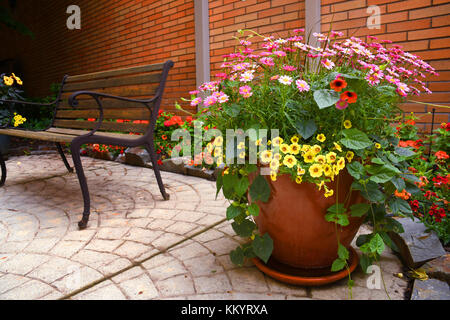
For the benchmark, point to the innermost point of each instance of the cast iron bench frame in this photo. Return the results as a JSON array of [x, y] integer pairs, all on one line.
[[77, 137]]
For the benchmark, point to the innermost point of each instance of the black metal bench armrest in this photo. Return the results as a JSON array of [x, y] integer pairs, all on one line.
[[97, 96]]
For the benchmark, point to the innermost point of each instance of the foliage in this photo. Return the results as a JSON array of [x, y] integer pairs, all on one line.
[[332, 106], [9, 91]]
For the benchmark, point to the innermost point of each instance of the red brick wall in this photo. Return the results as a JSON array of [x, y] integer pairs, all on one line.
[[422, 27], [113, 34], [263, 16]]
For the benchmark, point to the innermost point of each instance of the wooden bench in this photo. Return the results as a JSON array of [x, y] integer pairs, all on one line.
[[131, 93]]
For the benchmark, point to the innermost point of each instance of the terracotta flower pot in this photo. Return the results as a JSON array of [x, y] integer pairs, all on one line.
[[294, 217]]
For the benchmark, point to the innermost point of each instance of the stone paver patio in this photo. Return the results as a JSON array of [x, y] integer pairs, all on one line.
[[136, 246]]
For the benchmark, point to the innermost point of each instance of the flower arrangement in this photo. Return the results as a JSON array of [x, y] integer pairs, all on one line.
[[333, 106], [9, 92]]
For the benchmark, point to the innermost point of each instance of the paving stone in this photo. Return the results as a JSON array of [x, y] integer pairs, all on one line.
[[133, 250], [30, 290], [416, 244], [212, 283], [139, 288], [109, 291], [22, 263], [439, 268], [10, 281], [431, 289], [190, 250], [248, 280], [169, 269], [202, 266], [176, 286]]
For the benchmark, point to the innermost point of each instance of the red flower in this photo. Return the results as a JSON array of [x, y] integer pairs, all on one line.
[[160, 162], [338, 84], [91, 119], [351, 97], [441, 155], [164, 137]]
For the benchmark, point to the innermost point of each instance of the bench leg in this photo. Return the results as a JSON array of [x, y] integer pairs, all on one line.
[[63, 157], [151, 150], [75, 148], [3, 166]]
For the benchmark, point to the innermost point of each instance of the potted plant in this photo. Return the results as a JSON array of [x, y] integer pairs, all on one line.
[[331, 159], [7, 117]]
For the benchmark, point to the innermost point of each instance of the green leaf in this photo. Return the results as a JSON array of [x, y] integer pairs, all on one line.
[[376, 244], [377, 161], [306, 128], [326, 98], [233, 212], [382, 174], [337, 208], [242, 186], [388, 241], [355, 139], [219, 183], [370, 191], [263, 246], [398, 205], [228, 182], [237, 256], [355, 169], [405, 152], [399, 183], [253, 209], [362, 239], [359, 209], [260, 189], [365, 261], [342, 219], [338, 264], [244, 229], [343, 252], [233, 110]]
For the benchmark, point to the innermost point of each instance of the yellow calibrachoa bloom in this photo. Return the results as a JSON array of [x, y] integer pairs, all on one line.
[[328, 192], [327, 170], [218, 152], [18, 80], [266, 156], [277, 156], [295, 139], [218, 141], [219, 161], [349, 156], [315, 170], [377, 145], [331, 157], [8, 80], [341, 163], [284, 148], [294, 148], [18, 119], [209, 147], [320, 185], [320, 159], [277, 141], [300, 171], [305, 148], [309, 156], [289, 161], [273, 176], [258, 142], [316, 149], [321, 137], [226, 171], [274, 164], [347, 124], [241, 155], [298, 179], [241, 145], [337, 147]]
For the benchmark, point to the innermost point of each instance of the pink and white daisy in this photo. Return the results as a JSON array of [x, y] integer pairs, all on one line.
[[302, 85], [341, 104], [286, 80], [196, 101], [327, 64], [246, 91], [247, 76], [210, 100]]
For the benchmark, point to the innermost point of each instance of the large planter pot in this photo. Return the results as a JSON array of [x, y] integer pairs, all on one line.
[[4, 143], [294, 217]]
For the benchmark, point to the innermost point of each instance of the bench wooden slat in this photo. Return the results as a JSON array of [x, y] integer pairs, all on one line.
[[129, 114], [106, 103], [117, 72], [74, 132], [106, 125], [39, 135], [115, 82]]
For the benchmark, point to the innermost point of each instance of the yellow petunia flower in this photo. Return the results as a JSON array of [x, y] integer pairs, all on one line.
[[321, 137], [266, 156], [294, 148], [315, 170], [320, 159], [377, 145], [331, 157], [284, 148], [300, 171], [347, 124], [18, 80], [218, 141], [289, 161], [320, 185], [309, 156], [298, 180], [349, 156], [316, 149], [241, 145], [218, 152], [341, 163], [8, 80], [274, 164], [295, 139], [277, 156], [327, 170], [306, 148], [277, 141], [328, 192], [273, 176], [337, 147], [241, 155], [258, 142]]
